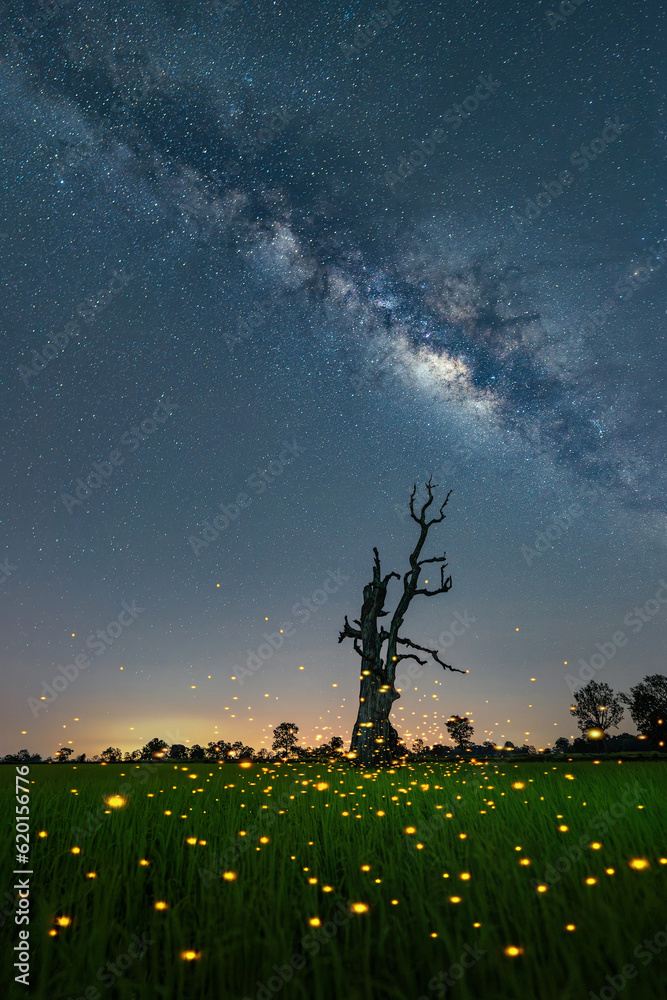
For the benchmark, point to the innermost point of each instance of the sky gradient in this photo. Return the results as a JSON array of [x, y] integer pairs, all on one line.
[[235, 286]]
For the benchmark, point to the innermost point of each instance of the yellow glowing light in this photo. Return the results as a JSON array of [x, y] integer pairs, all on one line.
[[524, 861], [563, 829], [570, 777], [42, 833], [360, 907], [263, 840], [591, 881], [53, 932], [639, 864], [245, 763], [116, 801], [595, 733], [144, 863], [596, 845], [570, 927], [315, 922], [229, 876], [321, 786], [410, 829], [518, 785], [76, 850], [512, 951], [327, 888], [610, 871], [477, 925], [161, 905], [190, 956], [454, 899], [465, 876], [91, 874], [63, 921], [365, 868], [543, 888], [191, 840]]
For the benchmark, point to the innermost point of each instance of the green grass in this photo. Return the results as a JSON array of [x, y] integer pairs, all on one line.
[[241, 928]]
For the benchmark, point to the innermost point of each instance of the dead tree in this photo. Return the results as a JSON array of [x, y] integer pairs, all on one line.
[[374, 739]]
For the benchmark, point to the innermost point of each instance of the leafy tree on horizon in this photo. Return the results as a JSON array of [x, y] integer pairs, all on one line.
[[597, 707], [460, 731], [647, 702], [285, 738]]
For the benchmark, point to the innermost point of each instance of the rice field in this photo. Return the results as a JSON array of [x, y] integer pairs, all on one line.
[[489, 880]]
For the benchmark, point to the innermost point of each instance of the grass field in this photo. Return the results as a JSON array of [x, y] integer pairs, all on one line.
[[411, 873]]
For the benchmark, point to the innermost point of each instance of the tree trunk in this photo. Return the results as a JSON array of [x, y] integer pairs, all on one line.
[[374, 739]]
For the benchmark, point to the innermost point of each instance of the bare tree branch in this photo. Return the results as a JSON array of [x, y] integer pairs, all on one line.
[[433, 653]]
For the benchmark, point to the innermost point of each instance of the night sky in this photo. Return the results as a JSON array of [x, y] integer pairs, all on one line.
[[222, 217]]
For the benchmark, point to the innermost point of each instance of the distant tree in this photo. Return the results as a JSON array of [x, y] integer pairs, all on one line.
[[418, 745], [285, 738], [130, 755], [112, 755], [197, 752], [23, 755], [336, 743], [64, 754], [597, 708], [217, 750], [460, 730], [648, 707], [263, 754], [155, 748], [562, 744], [178, 751], [79, 760]]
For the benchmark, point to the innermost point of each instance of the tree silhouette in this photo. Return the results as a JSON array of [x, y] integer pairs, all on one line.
[[285, 738], [648, 707], [63, 754], [374, 739], [597, 709], [460, 730], [155, 748], [562, 744], [112, 755]]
